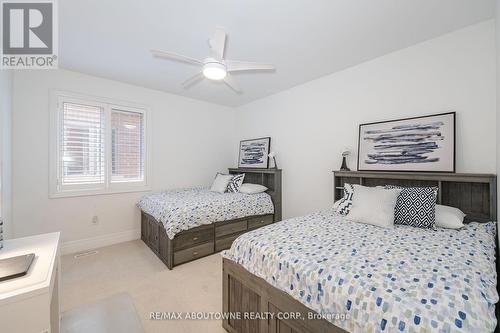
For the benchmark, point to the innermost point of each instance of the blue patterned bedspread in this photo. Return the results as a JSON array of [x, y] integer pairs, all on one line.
[[185, 209], [403, 279]]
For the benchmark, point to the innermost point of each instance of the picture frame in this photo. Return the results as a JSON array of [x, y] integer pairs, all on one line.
[[416, 144], [254, 153]]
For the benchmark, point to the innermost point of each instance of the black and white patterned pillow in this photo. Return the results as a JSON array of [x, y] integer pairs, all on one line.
[[343, 206], [235, 183], [416, 206]]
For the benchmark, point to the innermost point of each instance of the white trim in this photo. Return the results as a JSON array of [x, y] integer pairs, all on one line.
[[97, 99], [109, 187], [99, 241], [84, 193]]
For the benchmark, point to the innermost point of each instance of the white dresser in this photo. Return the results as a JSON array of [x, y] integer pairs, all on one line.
[[31, 303]]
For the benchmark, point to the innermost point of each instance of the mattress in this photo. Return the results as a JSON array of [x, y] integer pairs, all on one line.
[[403, 279], [185, 209]]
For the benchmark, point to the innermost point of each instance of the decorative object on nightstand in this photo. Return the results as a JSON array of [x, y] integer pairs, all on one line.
[[345, 153], [273, 156]]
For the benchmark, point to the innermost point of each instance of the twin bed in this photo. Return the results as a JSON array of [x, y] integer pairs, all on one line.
[[324, 273], [183, 225]]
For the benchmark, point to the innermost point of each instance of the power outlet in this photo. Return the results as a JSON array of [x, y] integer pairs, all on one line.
[[95, 220]]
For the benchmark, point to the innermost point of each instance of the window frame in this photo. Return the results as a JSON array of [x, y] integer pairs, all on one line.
[[56, 189]]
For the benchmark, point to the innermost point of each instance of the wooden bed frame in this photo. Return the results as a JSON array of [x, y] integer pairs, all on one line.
[[474, 194], [207, 239]]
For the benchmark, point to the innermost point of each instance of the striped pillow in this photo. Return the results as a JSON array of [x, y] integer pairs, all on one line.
[[343, 206], [235, 183]]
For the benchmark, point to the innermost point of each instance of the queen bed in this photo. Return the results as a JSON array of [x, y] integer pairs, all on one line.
[[187, 224], [335, 275]]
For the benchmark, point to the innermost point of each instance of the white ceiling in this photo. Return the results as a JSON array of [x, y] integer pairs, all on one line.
[[305, 39]]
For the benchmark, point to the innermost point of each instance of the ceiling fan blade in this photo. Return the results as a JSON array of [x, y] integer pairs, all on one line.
[[232, 84], [176, 57], [192, 80], [218, 43], [236, 66]]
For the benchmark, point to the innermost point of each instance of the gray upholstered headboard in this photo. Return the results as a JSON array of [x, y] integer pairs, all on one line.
[[474, 194], [270, 178]]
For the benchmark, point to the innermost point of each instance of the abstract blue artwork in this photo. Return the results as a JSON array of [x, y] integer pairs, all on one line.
[[254, 153], [413, 144]]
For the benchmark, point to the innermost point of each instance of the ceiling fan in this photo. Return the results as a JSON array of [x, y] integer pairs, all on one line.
[[215, 67]]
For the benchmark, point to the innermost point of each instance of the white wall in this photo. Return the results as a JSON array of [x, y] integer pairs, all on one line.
[[189, 144], [309, 124], [497, 21], [6, 152]]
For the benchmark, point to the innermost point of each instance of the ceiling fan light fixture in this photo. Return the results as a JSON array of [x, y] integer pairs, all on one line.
[[214, 71], [215, 67]]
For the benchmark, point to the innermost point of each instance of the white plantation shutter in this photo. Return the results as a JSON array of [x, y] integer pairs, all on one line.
[[97, 146], [82, 144], [127, 146]]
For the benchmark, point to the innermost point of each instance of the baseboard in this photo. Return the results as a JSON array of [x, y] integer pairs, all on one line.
[[99, 241]]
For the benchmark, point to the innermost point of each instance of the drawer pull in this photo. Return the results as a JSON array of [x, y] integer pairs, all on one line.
[[195, 253], [195, 238]]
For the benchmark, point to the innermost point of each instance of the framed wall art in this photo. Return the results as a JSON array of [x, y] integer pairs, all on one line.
[[425, 144], [254, 153]]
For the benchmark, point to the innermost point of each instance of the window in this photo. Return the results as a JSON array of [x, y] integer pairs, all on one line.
[[82, 144], [126, 146], [98, 147]]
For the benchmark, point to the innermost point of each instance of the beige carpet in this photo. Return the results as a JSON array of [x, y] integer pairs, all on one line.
[[113, 314], [132, 268]]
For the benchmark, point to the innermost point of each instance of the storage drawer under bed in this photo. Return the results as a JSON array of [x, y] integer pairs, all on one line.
[[229, 228], [198, 242], [225, 242], [194, 252], [259, 221], [194, 236]]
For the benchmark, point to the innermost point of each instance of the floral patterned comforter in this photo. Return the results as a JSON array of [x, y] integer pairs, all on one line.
[[185, 209], [403, 279]]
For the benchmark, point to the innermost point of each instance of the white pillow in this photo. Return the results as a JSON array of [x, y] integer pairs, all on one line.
[[373, 205], [449, 217], [248, 188], [220, 183]]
